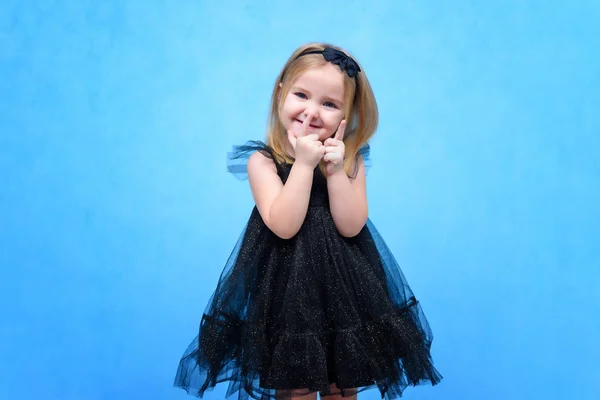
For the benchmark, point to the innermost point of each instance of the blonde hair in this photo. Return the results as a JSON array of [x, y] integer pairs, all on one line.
[[361, 111]]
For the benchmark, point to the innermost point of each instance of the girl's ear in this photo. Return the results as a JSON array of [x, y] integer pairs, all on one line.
[[280, 84]]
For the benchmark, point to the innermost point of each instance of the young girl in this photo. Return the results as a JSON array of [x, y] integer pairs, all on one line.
[[311, 300]]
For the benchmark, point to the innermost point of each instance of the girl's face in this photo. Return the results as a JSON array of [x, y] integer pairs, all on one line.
[[319, 92]]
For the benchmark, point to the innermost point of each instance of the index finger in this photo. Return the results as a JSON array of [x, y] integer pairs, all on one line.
[[305, 125], [339, 134]]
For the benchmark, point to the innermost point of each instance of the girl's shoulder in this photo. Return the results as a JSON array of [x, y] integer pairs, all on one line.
[[238, 157], [365, 153]]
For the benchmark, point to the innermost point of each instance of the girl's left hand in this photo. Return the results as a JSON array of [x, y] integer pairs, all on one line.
[[335, 151]]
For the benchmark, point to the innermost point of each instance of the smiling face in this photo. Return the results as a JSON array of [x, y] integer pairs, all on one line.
[[319, 92]]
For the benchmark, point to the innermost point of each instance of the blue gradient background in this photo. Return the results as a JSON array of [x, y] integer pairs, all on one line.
[[117, 213]]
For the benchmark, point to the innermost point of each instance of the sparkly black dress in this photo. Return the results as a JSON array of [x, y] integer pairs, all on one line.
[[291, 317]]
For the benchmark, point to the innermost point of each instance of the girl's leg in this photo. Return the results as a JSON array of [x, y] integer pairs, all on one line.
[[295, 394], [351, 394]]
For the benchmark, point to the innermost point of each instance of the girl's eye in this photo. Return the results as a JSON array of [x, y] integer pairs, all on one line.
[[301, 95], [330, 104]]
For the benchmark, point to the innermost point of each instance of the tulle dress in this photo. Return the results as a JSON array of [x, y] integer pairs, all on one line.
[[292, 317]]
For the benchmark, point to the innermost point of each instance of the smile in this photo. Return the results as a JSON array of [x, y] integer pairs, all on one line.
[[311, 125]]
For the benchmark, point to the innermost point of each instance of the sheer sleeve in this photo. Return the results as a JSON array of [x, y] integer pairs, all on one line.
[[237, 158], [365, 152]]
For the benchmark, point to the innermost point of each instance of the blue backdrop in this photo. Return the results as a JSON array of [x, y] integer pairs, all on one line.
[[117, 213]]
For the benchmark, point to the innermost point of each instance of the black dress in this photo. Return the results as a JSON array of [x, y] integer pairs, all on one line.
[[290, 317]]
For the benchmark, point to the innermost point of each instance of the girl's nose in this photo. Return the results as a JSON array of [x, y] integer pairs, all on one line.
[[311, 110]]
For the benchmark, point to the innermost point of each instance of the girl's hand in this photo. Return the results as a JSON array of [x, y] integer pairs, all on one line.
[[308, 148], [335, 151]]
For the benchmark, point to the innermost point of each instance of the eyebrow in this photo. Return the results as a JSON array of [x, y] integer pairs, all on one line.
[[302, 89]]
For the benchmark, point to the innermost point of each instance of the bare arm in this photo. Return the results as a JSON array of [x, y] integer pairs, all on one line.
[[348, 200], [282, 207]]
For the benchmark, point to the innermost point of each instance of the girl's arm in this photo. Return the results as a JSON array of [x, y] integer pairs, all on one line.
[[348, 200], [282, 207]]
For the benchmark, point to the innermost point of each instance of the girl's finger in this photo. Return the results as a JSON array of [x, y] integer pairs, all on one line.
[[332, 157], [339, 134], [305, 125]]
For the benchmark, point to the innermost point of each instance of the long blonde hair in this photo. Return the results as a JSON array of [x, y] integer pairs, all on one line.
[[361, 111]]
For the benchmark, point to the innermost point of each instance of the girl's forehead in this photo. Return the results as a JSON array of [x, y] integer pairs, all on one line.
[[327, 75]]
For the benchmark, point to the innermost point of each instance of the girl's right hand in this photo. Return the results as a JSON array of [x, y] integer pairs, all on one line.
[[308, 149]]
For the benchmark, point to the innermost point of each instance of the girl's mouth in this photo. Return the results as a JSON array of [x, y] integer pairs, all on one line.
[[310, 126]]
